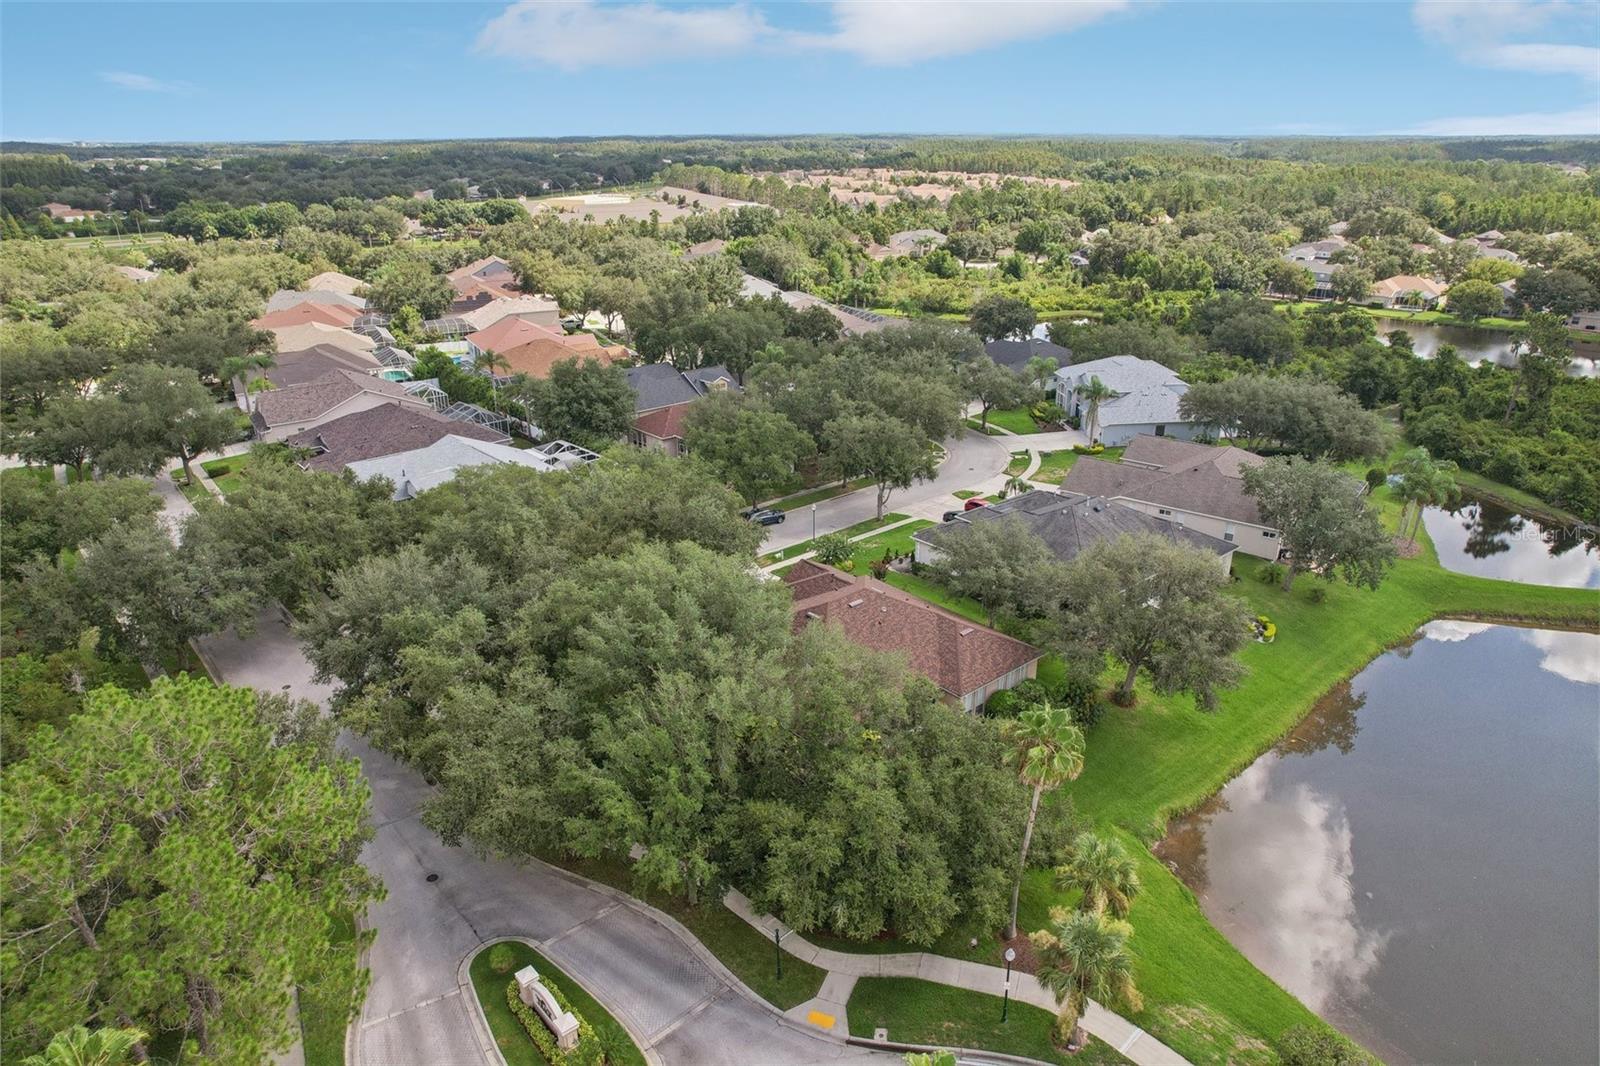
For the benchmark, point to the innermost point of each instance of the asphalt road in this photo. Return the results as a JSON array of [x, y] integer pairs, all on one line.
[[673, 996], [970, 459]]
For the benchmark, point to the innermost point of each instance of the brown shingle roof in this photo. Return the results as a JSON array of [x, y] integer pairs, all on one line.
[[301, 402], [957, 655], [318, 361], [378, 431], [1205, 481]]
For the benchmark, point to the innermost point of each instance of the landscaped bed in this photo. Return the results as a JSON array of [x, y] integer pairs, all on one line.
[[796, 550], [510, 1037], [230, 474]]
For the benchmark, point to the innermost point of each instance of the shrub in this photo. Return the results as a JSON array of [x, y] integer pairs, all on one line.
[[1270, 574], [1317, 594], [1002, 704], [588, 1051], [502, 958], [1076, 690], [1306, 1045], [832, 549], [1030, 693], [1375, 479]]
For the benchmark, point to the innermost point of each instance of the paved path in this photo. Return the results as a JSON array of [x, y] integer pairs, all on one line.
[[673, 995], [896, 524], [971, 461], [844, 968]]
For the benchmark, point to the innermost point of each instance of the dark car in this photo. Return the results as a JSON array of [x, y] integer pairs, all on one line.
[[951, 516], [766, 516]]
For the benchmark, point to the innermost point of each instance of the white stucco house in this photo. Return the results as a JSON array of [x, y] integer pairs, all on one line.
[[1146, 400]]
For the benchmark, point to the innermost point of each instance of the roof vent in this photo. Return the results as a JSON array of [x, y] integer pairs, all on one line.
[[964, 631], [855, 603], [812, 614]]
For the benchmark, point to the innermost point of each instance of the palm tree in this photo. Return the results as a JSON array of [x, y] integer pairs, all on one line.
[[1084, 956], [81, 1047], [1103, 871], [1015, 486], [1424, 480], [245, 367], [488, 362], [1092, 394], [1049, 753]]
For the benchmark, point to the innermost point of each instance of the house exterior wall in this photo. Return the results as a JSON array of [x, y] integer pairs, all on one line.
[[1252, 539], [975, 699], [1113, 436], [640, 439], [365, 401]]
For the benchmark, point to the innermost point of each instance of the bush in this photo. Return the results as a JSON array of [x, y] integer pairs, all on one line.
[[502, 958], [1317, 594], [1030, 693], [1076, 691], [1305, 1045], [1375, 479], [1270, 574], [832, 549], [588, 1051], [1002, 704], [1088, 716]]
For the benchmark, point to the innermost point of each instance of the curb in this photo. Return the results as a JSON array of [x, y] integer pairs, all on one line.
[[961, 1052]]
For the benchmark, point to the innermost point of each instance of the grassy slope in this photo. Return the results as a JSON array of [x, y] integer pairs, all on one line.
[[921, 1012], [509, 1035], [321, 1026]]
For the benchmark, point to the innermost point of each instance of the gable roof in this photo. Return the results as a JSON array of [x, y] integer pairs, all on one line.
[[1404, 283], [532, 349], [286, 298], [336, 315], [490, 268], [1068, 523], [310, 334], [383, 430], [318, 361], [1147, 392], [494, 311], [299, 403], [133, 273], [957, 655], [333, 281], [1123, 373], [1180, 479], [660, 385], [1015, 354], [420, 469]]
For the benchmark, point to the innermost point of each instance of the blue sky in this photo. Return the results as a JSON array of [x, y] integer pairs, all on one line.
[[313, 71]]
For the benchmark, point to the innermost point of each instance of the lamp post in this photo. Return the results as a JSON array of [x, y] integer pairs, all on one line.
[[777, 948], [813, 521], [1005, 1003]]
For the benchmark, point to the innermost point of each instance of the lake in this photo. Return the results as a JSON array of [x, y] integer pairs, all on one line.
[[1488, 540], [1417, 861], [1475, 346]]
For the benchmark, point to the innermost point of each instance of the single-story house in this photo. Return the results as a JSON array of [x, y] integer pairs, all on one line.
[[64, 213], [475, 293], [532, 349], [1315, 251], [281, 413], [310, 334], [1014, 354], [491, 270], [1505, 255], [480, 315], [136, 274], [662, 396], [704, 248], [333, 281], [311, 364], [336, 315], [1195, 486], [968, 662], [1146, 399], [284, 299], [423, 468], [1322, 278], [1408, 290], [915, 242], [387, 429], [1069, 523], [1588, 321]]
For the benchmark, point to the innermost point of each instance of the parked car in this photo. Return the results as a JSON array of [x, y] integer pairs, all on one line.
[[974, 503], [951, 516], [765, 516]]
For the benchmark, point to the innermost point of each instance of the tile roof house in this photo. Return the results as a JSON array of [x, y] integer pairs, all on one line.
[[1196, 486], [387, 429], [281, 413], [1015, 354], [1068, 523], [136, 274], [482, 311], [491, 270], [915, 242], [318, 361], [336, 315], [1408, 290], [1146, 401], [663, 395], [284, 299], [431, 465], [531, 349], [968, 662], [704, 248], [310, 334], [64, 213], [333, 281], [1316, 251]]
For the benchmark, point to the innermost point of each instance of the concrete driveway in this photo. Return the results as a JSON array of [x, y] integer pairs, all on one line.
[[679, 1003], [972, 461]]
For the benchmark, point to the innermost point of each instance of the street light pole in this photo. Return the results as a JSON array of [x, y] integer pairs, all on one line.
[[813, 521], [777, 948], [1005, 1004]]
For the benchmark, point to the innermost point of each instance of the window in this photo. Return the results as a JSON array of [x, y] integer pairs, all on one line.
[[1163, 511], [1269, 534], [1227, 532], [1161, 430]]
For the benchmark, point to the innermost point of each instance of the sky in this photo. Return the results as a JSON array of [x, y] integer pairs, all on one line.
[[221, 71]]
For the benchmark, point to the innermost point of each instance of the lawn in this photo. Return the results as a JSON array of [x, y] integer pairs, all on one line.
[[993, 431], [1443, 318], [230, 474], [322, 1025], [509, 1036], [922, 1012], [1053, 466], [849, 531], [1017, 420], [192, 491], [827, 492], [1019, 463]]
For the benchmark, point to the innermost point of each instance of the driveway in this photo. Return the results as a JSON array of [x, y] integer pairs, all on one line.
[[972, 461], [680, 1004]]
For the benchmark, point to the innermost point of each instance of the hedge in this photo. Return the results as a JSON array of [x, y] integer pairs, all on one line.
[[587, 1053]]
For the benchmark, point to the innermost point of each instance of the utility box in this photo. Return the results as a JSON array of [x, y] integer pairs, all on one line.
[[562, 1023]]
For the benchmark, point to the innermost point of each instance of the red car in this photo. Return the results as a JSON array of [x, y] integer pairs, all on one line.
[[975, 502]]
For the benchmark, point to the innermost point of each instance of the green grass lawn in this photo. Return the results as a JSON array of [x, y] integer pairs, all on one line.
[[1443, 318], [965, 494], [849, 531], [1053, 466], [897, 541], [1016, 419], [993, 430], [827, 492], [1019, 463], [230, 474], [323, 1025], [509, 1036], [922, 1012], [192, 491]]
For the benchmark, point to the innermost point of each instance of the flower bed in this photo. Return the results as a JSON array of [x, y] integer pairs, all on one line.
[[587, 1053]]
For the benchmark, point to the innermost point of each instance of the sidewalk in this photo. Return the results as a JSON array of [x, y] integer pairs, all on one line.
[[844, 968]]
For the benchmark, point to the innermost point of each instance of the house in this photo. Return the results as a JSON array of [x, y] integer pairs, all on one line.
[[1408, 290], [1588, 321], [387, 429], [704, 248], [491, 270], [281, 413], [419, 469], [63, 213], [1068, 523], [1146, 399], [305, 335], [1196, 486], [531, 349], [311, 364], [333, 281], [1014, 354], [476, 293], [915, 242], [284, 299], [338, 316], [1316, 251], [1321, 278], [968, 662], [136, 274], [475, 316], [1079, 258], [1505, 255], [662, 396]]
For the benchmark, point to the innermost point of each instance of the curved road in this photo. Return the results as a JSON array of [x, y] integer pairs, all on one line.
[[680, 1004], [970, 459]]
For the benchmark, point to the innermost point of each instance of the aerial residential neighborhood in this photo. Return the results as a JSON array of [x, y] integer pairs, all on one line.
[[514, 552]]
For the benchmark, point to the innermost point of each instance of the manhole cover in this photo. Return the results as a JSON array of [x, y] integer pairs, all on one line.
[[432, 878]]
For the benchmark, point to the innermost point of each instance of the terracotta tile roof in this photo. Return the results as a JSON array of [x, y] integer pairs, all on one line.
[[532, 349], [385, 430], [957, 655], [310, 334], [336, 315], [1206, 483], [491, 269], [664, 422], [335, 282], [1404, 283]]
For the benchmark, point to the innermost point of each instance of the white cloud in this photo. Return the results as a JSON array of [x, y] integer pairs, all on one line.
[[1485, 32], [142, 83], [1580, 122], [1574, 656], [572, 34]]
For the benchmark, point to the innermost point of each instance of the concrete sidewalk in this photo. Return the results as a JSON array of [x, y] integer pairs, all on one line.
[[844, 968]]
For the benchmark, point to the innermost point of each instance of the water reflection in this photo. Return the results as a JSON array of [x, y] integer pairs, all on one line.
[[1476, 346], [1478, 537]]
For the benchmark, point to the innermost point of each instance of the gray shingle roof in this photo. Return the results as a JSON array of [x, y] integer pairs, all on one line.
[[1068, 523], [657, 385], [1015, 354], [1181, 479], [382, 430], [316, 362]]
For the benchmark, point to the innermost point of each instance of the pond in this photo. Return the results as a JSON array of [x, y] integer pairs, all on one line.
[[1417, 859], [1478, 537], [1475, 346]]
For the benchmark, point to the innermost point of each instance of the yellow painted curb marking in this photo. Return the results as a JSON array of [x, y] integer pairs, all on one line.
[[820, 1020]]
